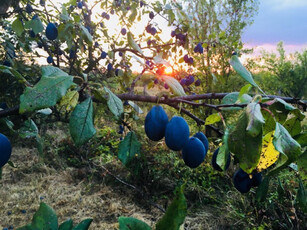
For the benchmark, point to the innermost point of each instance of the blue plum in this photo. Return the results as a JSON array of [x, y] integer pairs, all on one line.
[[183, 81], [198, 48], [51, 31], [190, 79], [80, 5], [151, 15], [5, 150], [186, 58], [155, 123], [109, 67], [193, 152], [153, 31], [241, 181], [103, 55], [215, 165], [50, 59], [197, 82], [147, 28], [123, 31], [177, 133], [191, 61], [202, 137]]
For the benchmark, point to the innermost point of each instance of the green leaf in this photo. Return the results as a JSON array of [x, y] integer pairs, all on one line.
[[51, 71], [135, 107], [270, 123], [133, 44], [128, 223], [246, 148], [9, 70], [17, 26], [255, 119], [301, 197], [81, 122], [44, 218], [286, 105], [174, 85], [28, 129], [222, 156], [45, 93], [115, 104], [242, 71], [158, 59], [83, 225], [293, 126], [128, 148], [233, 98], [213, 118], [99, 96], [175, 213], [302, 166], [263, 189], [285, 144], [35, 24], [66, 225], [301, 139], [244, 90], [86, 35], [230, 98]]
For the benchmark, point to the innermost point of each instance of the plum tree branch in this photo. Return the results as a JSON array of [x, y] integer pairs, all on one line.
[[173, 102]]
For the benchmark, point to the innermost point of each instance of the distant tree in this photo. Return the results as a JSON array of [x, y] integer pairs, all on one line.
[[218, 27], [287, 74]]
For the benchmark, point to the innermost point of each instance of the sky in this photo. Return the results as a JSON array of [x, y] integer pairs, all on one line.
[[278, 20]]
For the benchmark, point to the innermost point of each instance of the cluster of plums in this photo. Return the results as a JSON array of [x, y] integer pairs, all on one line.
[[194, 149], [150, 29], [188, 60], [177, 136], [5, 150], [179, 36], [242, 181], [188, 80]]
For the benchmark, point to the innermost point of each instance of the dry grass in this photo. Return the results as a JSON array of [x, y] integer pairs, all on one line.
[[22, 188], [74, 196]]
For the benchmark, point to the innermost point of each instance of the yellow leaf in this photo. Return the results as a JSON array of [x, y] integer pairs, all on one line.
[[269, 154], [69, 101]]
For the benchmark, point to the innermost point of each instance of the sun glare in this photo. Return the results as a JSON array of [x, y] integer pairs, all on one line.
[[168, 70]]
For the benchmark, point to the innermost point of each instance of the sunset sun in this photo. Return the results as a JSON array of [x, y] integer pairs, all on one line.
[[168, 70]]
